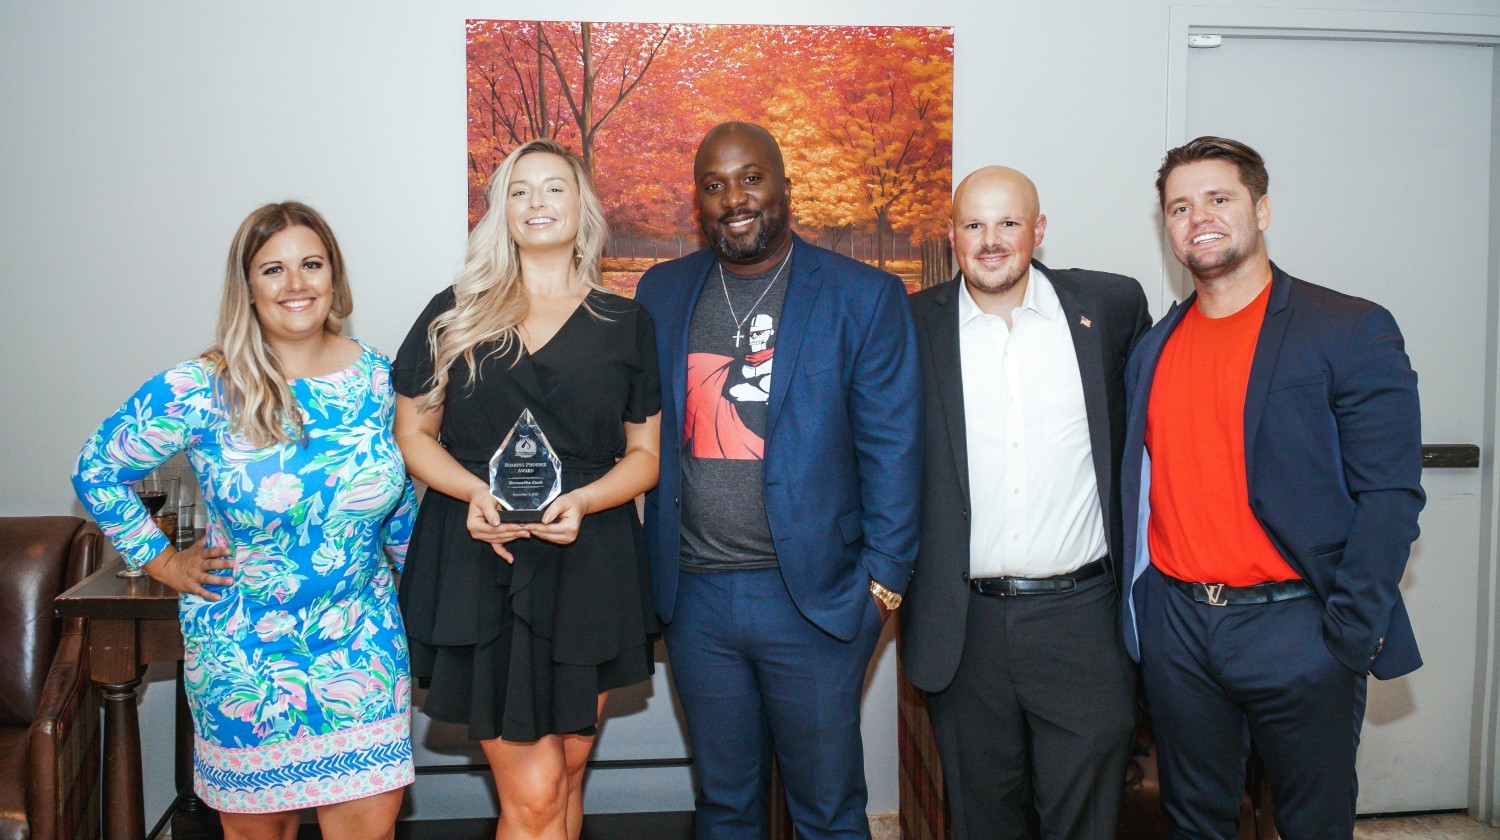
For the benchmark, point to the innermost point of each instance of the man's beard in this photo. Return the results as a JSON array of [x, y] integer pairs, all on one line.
[[1004, 284], [1221, 266], [1224, 263], [773, 221]]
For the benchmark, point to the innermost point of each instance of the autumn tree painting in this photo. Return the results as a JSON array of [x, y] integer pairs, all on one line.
[[864, 116]]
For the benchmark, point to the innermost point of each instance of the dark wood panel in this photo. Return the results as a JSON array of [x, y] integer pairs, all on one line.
[[112, 651], [161, 640], [103, 595]]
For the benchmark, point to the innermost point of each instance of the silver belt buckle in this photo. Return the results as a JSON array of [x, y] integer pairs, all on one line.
[[1215, 593]]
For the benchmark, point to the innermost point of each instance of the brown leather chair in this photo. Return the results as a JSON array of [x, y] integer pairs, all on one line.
[[49, 715]]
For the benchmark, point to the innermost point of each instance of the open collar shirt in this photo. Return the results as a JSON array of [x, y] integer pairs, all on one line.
[[1034, 497]]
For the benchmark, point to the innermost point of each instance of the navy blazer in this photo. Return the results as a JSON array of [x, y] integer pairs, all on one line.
[[1333, 457], [842, 467], [1106, 315]]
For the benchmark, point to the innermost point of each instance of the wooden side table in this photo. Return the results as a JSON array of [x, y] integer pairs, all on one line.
[[132, 622]]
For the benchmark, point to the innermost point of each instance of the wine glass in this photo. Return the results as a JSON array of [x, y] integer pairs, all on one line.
[[153, 494]]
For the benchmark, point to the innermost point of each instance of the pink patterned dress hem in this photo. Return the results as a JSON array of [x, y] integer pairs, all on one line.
[[306, 773]]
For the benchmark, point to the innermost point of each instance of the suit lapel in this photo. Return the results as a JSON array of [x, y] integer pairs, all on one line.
[[1267, 348], [943, 346], [801, 292], [696, 273], [1149, 352], [1089, 348]]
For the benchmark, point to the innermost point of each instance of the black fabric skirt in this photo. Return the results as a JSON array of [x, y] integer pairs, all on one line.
[[511, 687], [519, 651]]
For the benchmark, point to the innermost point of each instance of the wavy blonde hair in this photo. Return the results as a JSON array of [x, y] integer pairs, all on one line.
[[490, 297], [250, 386]]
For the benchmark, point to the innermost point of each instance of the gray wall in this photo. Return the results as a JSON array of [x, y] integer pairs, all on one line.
[[134, 137]]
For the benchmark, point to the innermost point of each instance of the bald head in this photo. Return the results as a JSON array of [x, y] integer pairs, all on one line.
[[744, 204], [751, 136], [991, 182], [997, 224]]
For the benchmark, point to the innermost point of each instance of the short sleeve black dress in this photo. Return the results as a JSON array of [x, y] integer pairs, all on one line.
[[521, 651]]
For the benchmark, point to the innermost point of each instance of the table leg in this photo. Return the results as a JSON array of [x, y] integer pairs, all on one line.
[[124, 796], [184, 769]]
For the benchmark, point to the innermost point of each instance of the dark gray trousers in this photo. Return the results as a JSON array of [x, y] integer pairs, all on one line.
[[1042, 711]]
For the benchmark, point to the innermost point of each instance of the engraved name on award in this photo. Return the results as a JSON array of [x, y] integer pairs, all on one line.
[[525, 473]]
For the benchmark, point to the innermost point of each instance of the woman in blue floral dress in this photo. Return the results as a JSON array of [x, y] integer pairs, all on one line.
[[296, 668]]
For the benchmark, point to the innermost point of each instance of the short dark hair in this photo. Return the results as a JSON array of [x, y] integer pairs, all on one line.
[[1248, 161]]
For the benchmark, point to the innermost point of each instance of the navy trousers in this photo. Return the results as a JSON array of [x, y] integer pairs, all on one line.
[[753, 676], [1217, 679]]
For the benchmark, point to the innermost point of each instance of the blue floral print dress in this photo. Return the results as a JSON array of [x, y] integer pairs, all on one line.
[[297, 678]]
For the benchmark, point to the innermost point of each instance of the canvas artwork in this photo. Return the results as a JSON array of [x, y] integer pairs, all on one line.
[[864, 115]]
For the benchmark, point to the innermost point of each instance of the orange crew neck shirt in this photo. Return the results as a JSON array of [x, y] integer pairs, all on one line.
[[1202, 528]]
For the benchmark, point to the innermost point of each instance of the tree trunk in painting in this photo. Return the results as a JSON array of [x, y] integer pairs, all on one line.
[[937, 262], [881, 215], [541, 129], [586, 127]]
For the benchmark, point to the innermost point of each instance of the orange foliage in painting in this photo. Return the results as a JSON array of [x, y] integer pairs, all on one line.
[[864, 116]]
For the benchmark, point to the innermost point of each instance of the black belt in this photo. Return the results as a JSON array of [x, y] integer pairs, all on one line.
[[1220, 595], [1001, 587]]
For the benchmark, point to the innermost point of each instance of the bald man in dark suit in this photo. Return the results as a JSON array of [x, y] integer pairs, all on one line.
[[1011, 619]]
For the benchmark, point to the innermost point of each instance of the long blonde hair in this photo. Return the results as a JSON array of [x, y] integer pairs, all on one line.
[[250, 386], [490, 298]]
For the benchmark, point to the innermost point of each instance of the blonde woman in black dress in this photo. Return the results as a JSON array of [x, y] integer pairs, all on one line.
[[520, 630]]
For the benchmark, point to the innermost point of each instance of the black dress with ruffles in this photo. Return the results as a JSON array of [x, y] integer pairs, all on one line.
[[519, 651]]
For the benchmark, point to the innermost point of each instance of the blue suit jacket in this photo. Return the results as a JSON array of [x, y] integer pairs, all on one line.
[[843, 462], [1333, 452]]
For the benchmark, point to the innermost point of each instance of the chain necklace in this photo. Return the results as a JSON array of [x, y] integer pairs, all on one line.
[[739, 322]]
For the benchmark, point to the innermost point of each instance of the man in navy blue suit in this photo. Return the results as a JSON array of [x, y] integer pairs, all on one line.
[[785, 525], [1271, 485]]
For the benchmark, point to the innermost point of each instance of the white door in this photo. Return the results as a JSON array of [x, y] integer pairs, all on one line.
[[1379, 155]]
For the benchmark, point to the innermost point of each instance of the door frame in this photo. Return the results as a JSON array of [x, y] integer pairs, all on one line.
[[1409, 27]]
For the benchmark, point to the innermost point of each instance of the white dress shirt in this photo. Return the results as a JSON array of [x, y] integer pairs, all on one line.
[[1034, 498]]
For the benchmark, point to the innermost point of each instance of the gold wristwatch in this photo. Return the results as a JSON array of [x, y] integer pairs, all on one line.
[[885, 596]]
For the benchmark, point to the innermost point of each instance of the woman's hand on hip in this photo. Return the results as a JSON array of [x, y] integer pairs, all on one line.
[[189, 570]]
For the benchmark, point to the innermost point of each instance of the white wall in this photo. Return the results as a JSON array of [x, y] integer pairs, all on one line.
[[135, 137]]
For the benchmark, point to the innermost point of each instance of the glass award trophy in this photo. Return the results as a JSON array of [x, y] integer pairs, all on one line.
[[525, 474]]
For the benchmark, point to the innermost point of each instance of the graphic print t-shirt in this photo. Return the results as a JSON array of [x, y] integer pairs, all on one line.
[[730, 363]]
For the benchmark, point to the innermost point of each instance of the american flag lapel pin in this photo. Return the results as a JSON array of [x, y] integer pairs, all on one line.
[[1082, 319]]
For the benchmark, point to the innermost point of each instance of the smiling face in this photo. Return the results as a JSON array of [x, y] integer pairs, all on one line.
[[744, 206], [995, 228], [541, 202], [291, 285], [1213, 223]]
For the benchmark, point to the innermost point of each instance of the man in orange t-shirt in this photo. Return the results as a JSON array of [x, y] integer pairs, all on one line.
[[1271, 485]]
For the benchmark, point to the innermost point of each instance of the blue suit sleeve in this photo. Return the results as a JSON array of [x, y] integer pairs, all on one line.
[[1380, 441], [885, 407]]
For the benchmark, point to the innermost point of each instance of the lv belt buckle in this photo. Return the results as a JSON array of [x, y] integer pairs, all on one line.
[[1215, 593]]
